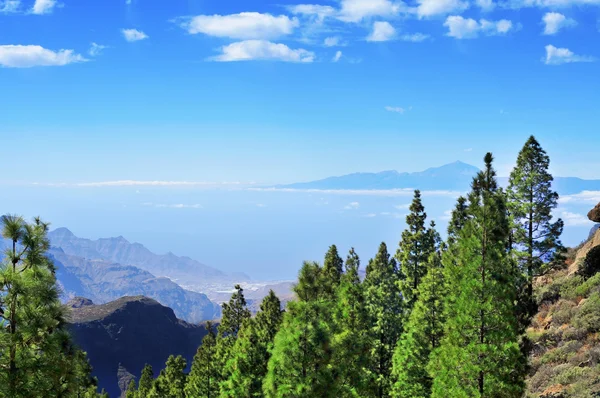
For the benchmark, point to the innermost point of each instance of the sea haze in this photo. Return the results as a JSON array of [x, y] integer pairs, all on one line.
[[265, 233]]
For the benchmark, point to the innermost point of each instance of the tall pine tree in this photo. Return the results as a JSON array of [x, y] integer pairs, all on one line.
[[203, 379], [422, 334], [535, 237], [145, 383], [479, 355], [351, 340], [384, 306], [333, 267]]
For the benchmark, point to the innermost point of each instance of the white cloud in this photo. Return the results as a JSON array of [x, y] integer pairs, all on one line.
[[9, 6], [337, 56], [485, 5], [133, 35], [468, 28], [245, 25], [173, 206], [592, 197], [550, 3], [415, 37], [382, 31], [400, 192], [352, 206], [17, 56], [447, 215], [43, 6], [357, 10], [332, 41], [136, 183], [397, 109], [574, 219], [403, 207], [314, 10], [370, 215], [558, 56], [429, 8], [263, 50], [96, 49], [469, 150], [554, 21]]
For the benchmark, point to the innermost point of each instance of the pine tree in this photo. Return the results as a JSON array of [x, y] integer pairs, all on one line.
[[300, 363], [458, 219], [250, 354], [131, 390], [384, 306], [479, 355], [145, 383], [173, 379], [415, 248], [421, 336], [37, 356], [535, 237], [351, 340], [333, 267], [204, 377]]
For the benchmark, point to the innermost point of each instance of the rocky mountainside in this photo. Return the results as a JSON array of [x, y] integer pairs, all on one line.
[[565, 333], [103, 281], [119, 250], [121, 336]]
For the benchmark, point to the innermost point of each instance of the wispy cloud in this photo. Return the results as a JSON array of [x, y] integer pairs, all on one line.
[[469, 150], [10, 6], [96, 49], [574, 219], [370, 215], [337, 56], [173, 206], [414, 37], [357, 10], [430, 8], [43, 6], [382, 31], [559, 56], [404, 206], [352, 206], [135, 183], [397, 109], [244, 26], [18, 56], [468, 28], [332, 41], [554, 22], [592, 197], [132, 35], [401, 192], [249, 50]]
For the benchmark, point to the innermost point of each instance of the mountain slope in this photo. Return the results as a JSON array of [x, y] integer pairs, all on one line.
[[103, 281], [120, 337], [453, 176], [565, 333], [119, 250]]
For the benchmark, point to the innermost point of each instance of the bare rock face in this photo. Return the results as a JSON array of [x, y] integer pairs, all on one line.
[[594, 214]]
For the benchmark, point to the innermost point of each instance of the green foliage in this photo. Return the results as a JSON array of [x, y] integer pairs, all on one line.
[[479, 355], [535, 238], [37, 356], [588, 316], [333, 267], [591, 264], [146, 380], [250, 355], [131, 390], [422, 335], [204, 377], [384, 306], [351, 340], [172, 379], [417, 244]]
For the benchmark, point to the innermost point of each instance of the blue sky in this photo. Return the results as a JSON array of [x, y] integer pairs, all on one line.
[[284, 91]]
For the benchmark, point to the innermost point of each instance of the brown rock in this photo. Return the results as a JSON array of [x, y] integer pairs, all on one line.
[[594, 214]]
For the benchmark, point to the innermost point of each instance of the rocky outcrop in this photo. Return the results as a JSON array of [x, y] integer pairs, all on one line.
[[594, 214], [122, 336], [583, 251]]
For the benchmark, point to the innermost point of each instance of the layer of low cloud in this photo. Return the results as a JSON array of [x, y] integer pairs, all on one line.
[[382, 31], [173, 206], [242, 26], [400, 192], [559, 56], [555, 21], [43, 6], [132, 35], [574, 219], [468, 28], [140, 183], [249, 50], [584, 197], [19, 56]]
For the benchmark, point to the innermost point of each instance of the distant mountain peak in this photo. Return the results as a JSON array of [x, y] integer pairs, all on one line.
[[63, 232]]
